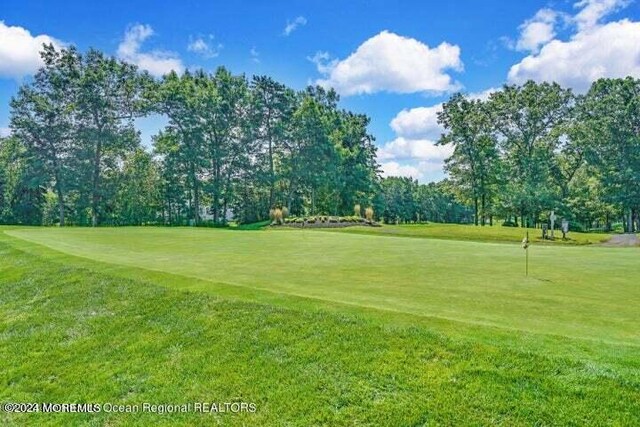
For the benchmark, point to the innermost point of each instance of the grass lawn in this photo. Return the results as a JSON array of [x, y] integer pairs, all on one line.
[[317, 327], [494, 233]]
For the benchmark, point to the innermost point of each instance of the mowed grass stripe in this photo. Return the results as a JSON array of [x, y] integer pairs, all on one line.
[[588, 292]]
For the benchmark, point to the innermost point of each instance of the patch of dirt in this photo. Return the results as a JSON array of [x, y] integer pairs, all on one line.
[[622, 240]]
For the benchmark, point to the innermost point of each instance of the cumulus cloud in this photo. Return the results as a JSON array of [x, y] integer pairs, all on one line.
[[204, 47], [4, 132], [324, 62], [20, 50], [595, 50], [611, 50], [421, 159], [425, 171], [537, 31], [592, 11], [293, 25], [420, 122], [396, 169], [155, 62], [413, 149], [392, 63], [484, 94]]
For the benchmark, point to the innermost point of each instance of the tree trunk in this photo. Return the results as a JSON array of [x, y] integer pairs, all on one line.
[[60, 194], [475, 210], [216, 192], [483, 209], [272, 176], [196, 199], [95, 197]]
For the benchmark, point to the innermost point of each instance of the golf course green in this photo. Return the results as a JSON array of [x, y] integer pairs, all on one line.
[[317, 327]]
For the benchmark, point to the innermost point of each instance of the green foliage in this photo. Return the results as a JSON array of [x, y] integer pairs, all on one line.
[[404, 200], [21, 185], [234, 148], [475, 164]]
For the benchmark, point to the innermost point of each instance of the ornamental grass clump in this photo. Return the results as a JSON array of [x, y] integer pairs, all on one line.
[[368, 214], [277, 216], [357, 210]]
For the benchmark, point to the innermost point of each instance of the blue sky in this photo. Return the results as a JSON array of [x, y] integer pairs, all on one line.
[[395, 61]]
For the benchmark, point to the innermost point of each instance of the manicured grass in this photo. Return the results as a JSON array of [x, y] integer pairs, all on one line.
[[587, 292], [487, 233], [317, 328]]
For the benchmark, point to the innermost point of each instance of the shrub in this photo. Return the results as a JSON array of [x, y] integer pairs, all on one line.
[[368, 213], [357, 210], [576, 226], [272, 214], [285, 212]]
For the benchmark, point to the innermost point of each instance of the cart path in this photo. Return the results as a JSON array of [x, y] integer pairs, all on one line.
[[626, 239]]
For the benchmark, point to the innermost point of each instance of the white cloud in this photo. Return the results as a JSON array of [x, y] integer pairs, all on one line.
[[155, 62], [420, 122], [293, 25], [417, 158], [392, 63], [396, 169], [323, 62], [483, 95], [537, 31], [413, 149], [593, 51], [610, 50], [20, 51], [4, 132], [592, 11], [204, 48], [255, 55]]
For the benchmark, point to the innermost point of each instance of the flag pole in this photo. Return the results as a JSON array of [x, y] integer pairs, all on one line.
[[526, 273], [525, 246]]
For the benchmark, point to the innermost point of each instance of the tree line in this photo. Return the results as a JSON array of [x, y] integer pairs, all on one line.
[[236, 148], [531, 149], [233, 147]]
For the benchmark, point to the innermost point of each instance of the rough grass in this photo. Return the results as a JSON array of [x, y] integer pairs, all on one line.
[[78, 330]]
